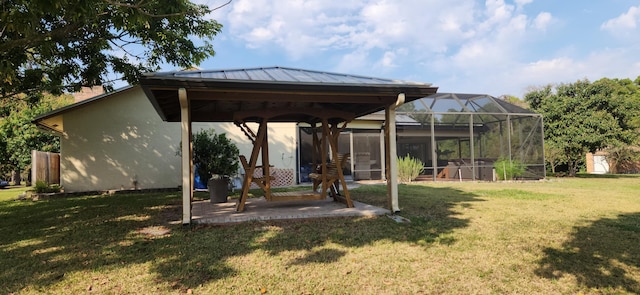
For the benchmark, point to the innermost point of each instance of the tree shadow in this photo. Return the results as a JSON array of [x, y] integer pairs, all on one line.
[[602, 255], [606, 176], [43, 241]]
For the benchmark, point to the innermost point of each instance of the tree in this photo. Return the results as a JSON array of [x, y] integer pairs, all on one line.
[[18, 136], [60, 45], [514, 100], [584, 117]]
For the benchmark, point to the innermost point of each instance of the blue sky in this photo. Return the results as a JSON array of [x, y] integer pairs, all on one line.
[[492, 47]]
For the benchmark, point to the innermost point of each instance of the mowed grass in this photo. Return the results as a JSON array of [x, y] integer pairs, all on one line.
[[560, 236]]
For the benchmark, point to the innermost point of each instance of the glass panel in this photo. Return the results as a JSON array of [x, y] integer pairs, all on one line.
[[447, 104], [344, 147], [525, 140], [417, 145], [413, 106], [483, 104], [428, 102], [305, 156], [453, 121], [366, 155]]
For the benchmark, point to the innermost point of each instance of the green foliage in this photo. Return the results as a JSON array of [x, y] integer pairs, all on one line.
[[214, 154], [623, 160], [18, 136], [553, 155], [60, 45], [42, 187], [585, 117], [508, 169], [409, 168]]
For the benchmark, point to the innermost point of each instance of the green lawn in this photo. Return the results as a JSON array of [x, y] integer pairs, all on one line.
[[560, 236], [11, 192]]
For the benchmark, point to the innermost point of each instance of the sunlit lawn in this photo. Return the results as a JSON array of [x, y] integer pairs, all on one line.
[[560, 236], [11, 192]]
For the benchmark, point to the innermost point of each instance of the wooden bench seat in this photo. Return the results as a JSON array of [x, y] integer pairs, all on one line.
[[332, 177], [296, 195]]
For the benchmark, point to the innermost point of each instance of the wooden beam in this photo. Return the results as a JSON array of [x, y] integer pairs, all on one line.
[[257, 145], [319, 113]]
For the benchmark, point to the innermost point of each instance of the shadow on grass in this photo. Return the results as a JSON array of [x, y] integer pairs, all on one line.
[[609, 176], [43, 241], [603, 255]]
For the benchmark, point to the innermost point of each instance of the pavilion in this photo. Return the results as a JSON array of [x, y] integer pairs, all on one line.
[[325, 101]]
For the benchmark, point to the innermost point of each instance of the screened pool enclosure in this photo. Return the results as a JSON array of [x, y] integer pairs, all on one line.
[[456, 136]]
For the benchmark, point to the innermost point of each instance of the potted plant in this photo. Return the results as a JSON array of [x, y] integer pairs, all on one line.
[[216, 159]]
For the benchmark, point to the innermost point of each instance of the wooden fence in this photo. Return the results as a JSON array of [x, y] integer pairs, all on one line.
[[45, 166]]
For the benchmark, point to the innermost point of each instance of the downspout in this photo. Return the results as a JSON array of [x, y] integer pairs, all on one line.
[[187, 151], [391, 153]]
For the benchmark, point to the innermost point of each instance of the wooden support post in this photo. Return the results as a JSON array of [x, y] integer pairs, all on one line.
[[266, 169], [391, 154], [187, 151]]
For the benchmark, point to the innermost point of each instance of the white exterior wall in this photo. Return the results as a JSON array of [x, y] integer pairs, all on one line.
[[113, 141], [282, 141]]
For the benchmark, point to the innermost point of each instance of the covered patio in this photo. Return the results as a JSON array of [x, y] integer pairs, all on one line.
[[325, 101]]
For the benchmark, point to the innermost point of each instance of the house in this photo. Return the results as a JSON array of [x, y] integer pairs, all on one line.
[[118, 140]]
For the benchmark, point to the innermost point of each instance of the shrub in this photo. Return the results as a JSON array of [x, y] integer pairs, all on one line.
[[508, 169], [214, 154], [43, 187], [409, 168]]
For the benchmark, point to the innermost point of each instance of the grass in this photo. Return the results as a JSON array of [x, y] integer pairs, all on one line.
[[11, 192], [561, 236]]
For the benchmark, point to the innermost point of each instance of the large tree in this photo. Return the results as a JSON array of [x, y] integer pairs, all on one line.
[[584, 117], [18, 136], [60, 45]]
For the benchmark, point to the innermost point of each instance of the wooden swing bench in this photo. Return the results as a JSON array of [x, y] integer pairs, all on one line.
[[263, 180], [329, 177], [331, 181]]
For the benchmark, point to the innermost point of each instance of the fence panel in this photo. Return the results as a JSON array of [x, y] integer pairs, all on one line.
[[45, 166]]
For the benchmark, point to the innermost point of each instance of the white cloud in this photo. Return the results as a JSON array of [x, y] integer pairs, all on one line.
[[625, 21], [469, 45], [542, 21]]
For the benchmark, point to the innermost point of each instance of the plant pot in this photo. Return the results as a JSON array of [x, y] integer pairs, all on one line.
[[218, 189]]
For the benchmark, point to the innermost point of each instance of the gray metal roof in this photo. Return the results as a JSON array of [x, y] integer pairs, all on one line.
[[216, 95], [282, 74]]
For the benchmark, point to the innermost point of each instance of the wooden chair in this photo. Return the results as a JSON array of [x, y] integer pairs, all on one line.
[[332, 177], [260, 180]]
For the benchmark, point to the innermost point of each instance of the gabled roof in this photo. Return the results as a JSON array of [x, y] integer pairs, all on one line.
[[53, 121], [293, 94]]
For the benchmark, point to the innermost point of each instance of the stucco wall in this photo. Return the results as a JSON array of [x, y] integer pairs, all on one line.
[[282, 147], [111, 142]]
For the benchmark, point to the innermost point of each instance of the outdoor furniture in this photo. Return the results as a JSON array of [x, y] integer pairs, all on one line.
[[330, 180], [260, 180], [326, 124]]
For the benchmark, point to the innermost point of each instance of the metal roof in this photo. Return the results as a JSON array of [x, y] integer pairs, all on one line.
[[281, 74], [293, 94]]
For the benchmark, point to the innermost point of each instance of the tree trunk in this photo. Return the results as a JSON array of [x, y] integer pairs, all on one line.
[[15, 177]]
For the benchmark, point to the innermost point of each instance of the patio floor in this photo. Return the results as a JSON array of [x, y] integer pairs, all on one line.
[[258, 209]]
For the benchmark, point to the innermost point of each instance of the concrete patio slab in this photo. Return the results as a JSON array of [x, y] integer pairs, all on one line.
[[259, 209]]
